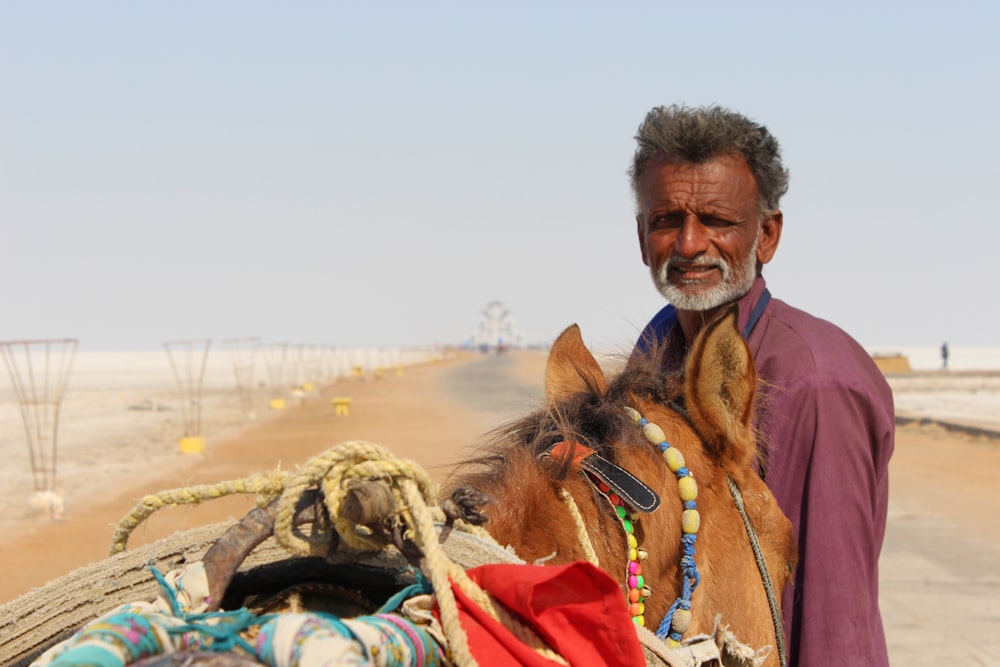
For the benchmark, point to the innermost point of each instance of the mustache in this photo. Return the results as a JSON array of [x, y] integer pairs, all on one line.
[[702, 262]]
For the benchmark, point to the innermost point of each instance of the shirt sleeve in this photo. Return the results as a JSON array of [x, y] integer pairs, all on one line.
[[829, 474]]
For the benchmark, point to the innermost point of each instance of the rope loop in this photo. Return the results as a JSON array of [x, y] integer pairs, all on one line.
[[333, 471]]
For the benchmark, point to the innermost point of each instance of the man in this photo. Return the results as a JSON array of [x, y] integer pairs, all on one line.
[[707, 184]]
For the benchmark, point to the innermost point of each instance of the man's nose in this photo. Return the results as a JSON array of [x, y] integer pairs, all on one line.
[[692, 240]]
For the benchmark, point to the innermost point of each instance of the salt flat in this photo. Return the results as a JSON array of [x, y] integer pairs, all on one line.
[[967, 397], [124, 412]]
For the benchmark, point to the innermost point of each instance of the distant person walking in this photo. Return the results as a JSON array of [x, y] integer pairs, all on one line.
[[944, 355]]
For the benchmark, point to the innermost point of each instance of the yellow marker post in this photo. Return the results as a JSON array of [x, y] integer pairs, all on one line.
[[277, 404], [192, 445], [342, 405]]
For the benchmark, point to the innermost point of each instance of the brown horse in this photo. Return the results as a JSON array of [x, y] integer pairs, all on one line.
[[528, 469]]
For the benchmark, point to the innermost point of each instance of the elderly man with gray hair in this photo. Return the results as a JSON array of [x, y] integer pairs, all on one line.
[[707, 184]]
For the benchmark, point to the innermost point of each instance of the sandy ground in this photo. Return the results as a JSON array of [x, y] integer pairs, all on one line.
[[940, 569], [430, 413]]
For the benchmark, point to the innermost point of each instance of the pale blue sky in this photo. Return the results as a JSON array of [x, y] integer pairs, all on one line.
[[377, 173]]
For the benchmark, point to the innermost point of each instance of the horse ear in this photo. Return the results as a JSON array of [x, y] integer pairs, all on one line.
[[719, 385], [571, 368]]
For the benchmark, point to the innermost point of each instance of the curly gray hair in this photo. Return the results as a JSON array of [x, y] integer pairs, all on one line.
[[699, 134]]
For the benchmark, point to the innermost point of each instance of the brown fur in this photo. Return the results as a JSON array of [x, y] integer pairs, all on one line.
[[585, 406]]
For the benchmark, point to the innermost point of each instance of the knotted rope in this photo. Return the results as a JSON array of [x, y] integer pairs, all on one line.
[[416, 509], [416, 501]]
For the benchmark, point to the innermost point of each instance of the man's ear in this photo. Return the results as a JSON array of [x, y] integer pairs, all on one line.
[[770, 236], [641, 230]]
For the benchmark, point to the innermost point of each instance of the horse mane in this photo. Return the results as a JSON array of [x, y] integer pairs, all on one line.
[[593, 417]]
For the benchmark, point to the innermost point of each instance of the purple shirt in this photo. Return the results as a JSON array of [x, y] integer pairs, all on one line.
[[827, 426]]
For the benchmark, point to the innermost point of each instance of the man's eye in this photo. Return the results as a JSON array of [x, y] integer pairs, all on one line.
[[716, 222], [667, 222]]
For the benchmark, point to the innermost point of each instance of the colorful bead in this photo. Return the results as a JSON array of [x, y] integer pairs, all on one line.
[[633, 413], [634, 594], [653, 433], [632, 542], [690, 521], [637, 609], [629, 528], [688, 488], [634, 567], [681, 621], [675, 460]]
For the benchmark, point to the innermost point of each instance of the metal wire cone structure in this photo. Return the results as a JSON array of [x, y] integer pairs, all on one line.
[[306, 376], [242, 353], [39, 371], [276, 362], [188, 359]]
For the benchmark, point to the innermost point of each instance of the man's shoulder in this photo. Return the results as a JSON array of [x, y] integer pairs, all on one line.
[[797, 343]]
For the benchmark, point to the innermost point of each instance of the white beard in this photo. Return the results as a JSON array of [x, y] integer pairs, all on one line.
[[689, 295]]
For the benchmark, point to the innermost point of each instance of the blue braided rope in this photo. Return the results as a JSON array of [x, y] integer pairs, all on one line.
[[223, 634], [689, 582]]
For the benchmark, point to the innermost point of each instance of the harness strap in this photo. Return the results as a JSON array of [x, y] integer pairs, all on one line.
[[765, 575], [629, 487]]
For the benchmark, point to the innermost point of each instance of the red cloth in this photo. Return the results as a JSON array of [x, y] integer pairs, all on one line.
[[577, 608]]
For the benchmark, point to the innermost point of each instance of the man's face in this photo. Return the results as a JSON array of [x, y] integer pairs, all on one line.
[[700, 230]]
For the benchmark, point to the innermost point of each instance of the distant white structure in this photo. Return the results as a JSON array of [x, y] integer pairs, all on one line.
[[497, 329]]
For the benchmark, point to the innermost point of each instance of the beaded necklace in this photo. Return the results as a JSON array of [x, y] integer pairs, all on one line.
[[678, 617], [637, 590]]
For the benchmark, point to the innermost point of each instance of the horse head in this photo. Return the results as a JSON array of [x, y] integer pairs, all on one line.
[[689, 439]]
